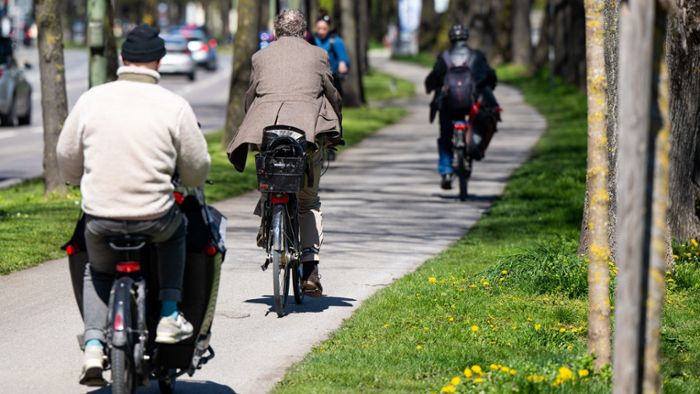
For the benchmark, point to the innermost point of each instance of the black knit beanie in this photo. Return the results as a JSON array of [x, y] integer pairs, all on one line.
[[143, 45]]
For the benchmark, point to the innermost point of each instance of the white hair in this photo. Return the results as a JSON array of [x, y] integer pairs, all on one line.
[[290, 23]]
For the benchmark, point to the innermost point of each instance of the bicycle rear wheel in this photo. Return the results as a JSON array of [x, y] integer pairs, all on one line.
[[463, 173], [279, 256], [123, 375], [296, 283]]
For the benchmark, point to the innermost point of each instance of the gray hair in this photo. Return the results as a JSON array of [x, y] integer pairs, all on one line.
[[290, 23]]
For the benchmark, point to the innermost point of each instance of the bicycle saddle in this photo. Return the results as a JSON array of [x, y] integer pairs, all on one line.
[[127, 242]]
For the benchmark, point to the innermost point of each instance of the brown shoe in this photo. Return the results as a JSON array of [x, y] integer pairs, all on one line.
[[311, 280]]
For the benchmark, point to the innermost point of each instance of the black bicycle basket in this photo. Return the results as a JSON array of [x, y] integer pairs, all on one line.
[[281, 164]]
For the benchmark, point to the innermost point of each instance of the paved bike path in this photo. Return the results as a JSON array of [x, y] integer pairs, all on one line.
[[384, 216]]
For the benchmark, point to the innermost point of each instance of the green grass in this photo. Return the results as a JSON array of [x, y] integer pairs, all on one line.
[[511, 293], [33, 227], [423, 58], [381, 86]]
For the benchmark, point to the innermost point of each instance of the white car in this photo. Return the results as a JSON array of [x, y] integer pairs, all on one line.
[[178, 58]]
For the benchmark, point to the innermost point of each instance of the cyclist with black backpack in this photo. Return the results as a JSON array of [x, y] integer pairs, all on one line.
[[463, 83]]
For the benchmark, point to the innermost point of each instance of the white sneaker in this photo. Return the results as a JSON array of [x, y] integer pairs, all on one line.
[[173, 329], [93, 365]]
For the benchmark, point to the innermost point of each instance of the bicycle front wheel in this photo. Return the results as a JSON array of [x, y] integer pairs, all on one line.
[[279, 256]]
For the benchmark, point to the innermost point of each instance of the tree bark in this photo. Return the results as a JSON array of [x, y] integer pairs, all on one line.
[[244, 46], [684, 71], [569, 41], [660, 230], [363, 34], [353, 95], [264, 16], [101, 43], [522, 32], [597, 188], [54, 104], [428, 22], [634, 192]]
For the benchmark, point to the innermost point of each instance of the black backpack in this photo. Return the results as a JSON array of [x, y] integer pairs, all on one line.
[[458, 86]]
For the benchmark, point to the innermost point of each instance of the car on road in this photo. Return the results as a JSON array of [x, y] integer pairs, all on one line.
[[15, 90], [202, 46], [178, 58]]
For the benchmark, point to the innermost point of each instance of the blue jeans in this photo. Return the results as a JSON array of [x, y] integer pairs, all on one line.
[[445, 151]]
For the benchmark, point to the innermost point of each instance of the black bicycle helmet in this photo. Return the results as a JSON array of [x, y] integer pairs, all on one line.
[[459, 32]]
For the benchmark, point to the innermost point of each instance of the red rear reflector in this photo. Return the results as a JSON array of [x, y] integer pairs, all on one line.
[[128, 267], [213, 43], [205, 48], [71, 250], [179, 198], [118, 322], [283, 199], [211, 250]]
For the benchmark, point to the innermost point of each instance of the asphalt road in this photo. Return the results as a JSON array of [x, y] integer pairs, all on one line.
[[21, 148], [384, 215]]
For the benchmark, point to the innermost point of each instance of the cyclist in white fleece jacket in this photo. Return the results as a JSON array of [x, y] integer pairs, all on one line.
[[122, 143]]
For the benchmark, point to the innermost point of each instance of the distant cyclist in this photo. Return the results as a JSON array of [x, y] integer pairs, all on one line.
[[291, 84], [460, 78], [122, 143], [334, 45]]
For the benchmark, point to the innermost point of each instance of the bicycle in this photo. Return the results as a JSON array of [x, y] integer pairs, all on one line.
[[131, 351], [281, 167], [466, 148]]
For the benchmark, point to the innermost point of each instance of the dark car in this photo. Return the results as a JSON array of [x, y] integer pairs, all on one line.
[[15, 91], [202, 46]]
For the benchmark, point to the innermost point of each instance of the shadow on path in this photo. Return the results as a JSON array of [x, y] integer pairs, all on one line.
[[310, 304], [183, 387]]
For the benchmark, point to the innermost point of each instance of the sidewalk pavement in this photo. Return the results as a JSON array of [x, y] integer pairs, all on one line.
[[384, 216]]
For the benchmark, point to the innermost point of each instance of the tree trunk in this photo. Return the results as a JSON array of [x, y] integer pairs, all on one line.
[[363, 36], [597, 188], [660, 230], [635, 178], [569, 41], [101, 43], [244, 46], [612, 52], [522, 33], [313, 8], [264, 16], [54, 104], [352, 85], [684, 66], [427, 32], [542, 48]]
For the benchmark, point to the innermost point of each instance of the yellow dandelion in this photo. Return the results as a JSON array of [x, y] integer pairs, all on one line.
[[449, 389], [505, 369], [451, 318], [675, 257], [538, 326], [468, 373], [478, 380], [565, 374], [583, 373], [473, 286], [694, 243], [512, 372], [455, 381], [574, 330], [419, 347], [432, 280], [494, 366], [504, 272], [474, 328], [477, 369], [562, 329], [485, 283]]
